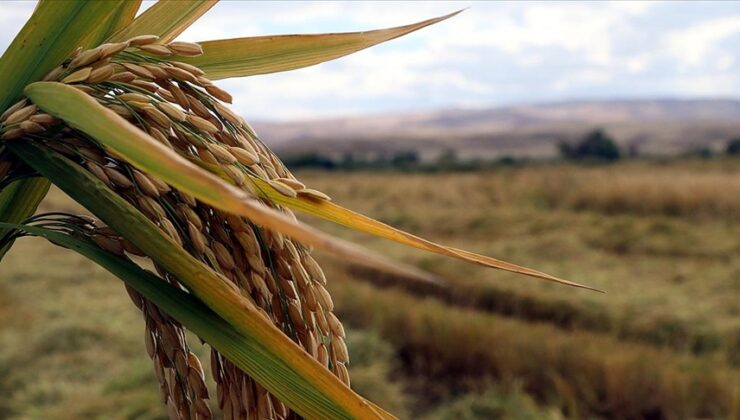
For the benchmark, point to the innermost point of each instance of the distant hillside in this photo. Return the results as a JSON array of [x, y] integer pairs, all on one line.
[[661, 127]]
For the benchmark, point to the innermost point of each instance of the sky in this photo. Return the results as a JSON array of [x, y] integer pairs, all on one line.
[[492, 54]]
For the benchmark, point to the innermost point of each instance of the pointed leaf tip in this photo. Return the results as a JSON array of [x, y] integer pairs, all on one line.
[[239, 57], [82, 112], [225, 319], [331, 211], [166, 19]]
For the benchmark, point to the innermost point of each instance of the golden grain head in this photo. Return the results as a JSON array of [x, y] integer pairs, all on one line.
[[159, 117], [282, 188], [243, 156], [180, 73], [172, 111], [21, 114], [184, 110], [201, 124], [219, 93], [223, 255], [54, 74], [157, 71], [143, 84], [15, 107], [108, 244], [322, 355], [86, 57], [221, 153], [30, 127], [145, 184], [342, 373], [313, 194], [142, 40], [101, 73], [111, 49], [292, 183], [185, 49], [138, 70], [123, 77], [43, 119]]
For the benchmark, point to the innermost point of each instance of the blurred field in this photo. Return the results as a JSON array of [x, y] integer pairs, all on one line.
[[662, 238]]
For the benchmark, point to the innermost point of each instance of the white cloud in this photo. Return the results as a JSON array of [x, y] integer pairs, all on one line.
[[725, 61], [693, 45], [582, 78], [638, 63], [718, 85], [15, 12], [584, 28], [494, 52], [12, 16], [635, 8]]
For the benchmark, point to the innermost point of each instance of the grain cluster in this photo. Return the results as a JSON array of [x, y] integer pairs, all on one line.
[[141, 81]]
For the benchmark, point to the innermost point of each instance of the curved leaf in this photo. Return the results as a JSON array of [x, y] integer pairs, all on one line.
[[166, 19], [205, 284], [81, 111], [250, 355], [20, 200], [54, 30], [240, 57], [123, 16], [337, 214]]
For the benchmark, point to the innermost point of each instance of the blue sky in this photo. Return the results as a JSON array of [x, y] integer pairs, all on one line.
[[494, 53]]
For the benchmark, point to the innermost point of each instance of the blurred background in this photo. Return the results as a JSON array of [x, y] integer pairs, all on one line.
[[599, 142]]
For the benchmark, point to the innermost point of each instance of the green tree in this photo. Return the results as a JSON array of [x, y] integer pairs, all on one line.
[[596, 145], [733, 147]]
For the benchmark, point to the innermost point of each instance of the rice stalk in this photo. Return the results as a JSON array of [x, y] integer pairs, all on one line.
[[178, 106]]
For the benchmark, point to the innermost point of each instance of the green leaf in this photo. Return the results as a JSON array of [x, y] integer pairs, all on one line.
[[246, 352], [240, 57], [20, 200], [326, 398], [166, 19], [54, 30], [340, 215], [82, 112], [123, 16]]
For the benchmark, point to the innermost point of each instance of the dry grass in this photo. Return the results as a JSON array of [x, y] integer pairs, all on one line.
[[659, 329], [71, 340], [670, 269], [585, 374], [668, 328], [643, 190], [672, 279]]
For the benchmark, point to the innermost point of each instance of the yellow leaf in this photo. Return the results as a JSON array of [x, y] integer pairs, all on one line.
[[240, 57], [124, 16], [166, 19], [54, 30], [340, 215], [82, 112], [296, 377]]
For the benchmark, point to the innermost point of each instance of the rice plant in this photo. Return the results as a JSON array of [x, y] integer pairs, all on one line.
[[127, 121]]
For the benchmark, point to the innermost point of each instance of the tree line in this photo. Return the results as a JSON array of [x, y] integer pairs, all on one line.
[[597, 146]]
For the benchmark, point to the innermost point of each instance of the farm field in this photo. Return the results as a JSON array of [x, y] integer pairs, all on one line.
[[662, 238]]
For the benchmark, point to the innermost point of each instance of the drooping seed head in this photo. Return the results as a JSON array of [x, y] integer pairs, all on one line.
[[282, 188], [21, 114], [86, 57], [185, 49], [142, 40]]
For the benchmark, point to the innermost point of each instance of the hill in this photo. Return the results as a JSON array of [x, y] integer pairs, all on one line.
[[653, 127]]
